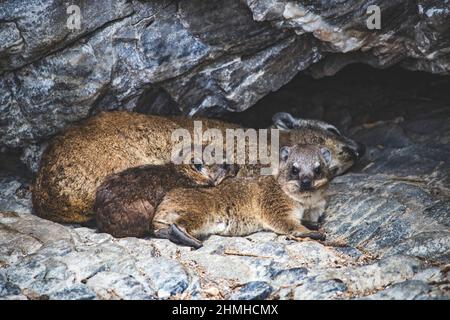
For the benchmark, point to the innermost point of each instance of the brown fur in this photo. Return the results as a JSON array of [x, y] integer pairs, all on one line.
[[125, 202], [78, 161], [241, 206]]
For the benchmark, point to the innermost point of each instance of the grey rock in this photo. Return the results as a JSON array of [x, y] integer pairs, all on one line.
[[7, 288], [313, 289], [289, 276], [14, 297], [407, 290], [113, 286], [191, 57], [329, 22], [386, 221], [31, 156], [26, 273], [391, 211], [75, 292], [15, 193], [42, 27], [440, 212], [166, 276], [375, 276], [433, 274], [89, 265], [256, 290], [236, 83], [390, 135]]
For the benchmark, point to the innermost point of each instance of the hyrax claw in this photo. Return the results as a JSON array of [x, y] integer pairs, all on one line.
[[180, 236]]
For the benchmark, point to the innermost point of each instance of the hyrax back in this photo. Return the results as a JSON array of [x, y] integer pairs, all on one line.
[[240, 206], [125, 202], [78, 161]]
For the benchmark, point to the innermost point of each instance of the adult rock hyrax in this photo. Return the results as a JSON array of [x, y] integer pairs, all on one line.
[[241, 206], [125, 202], [76, 162]]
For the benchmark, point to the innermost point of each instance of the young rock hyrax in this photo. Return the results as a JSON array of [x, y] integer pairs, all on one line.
[[241, 206], [125, 202]]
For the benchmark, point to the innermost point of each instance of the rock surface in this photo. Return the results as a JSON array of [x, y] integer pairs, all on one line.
[[194, 57], [387, 221], [387, 225]]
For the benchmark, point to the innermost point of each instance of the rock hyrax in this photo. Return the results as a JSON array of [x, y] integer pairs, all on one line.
[[76, 162], [125, 202], [241, 206]]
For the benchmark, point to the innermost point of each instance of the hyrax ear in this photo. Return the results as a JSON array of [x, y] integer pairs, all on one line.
[[284, 153], [326, 154], [284, 121]]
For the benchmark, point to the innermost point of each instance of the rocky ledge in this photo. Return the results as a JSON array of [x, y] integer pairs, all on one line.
[[387, 221], [192, 56], [388, 238]]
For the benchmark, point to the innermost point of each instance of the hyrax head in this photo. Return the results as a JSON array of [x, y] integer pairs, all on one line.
[[344, 151], [303, 169], [208, 175], [203, 174]]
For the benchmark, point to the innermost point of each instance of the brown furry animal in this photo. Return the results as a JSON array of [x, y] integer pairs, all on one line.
[[242, 206], [125, 202], [76, 162]]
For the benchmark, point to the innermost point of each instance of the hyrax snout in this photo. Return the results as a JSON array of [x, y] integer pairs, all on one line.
[[307, 172], [241, 206]]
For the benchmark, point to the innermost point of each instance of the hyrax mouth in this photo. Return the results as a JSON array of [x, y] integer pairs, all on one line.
[[316, 185]]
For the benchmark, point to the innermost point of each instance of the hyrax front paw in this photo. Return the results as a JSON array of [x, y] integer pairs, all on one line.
[[315, 235]]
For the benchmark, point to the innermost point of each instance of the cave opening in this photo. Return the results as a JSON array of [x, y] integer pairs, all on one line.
[[395, 112], [356, 95]]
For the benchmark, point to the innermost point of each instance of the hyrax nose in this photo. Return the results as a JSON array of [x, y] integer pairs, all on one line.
[[306, 183]]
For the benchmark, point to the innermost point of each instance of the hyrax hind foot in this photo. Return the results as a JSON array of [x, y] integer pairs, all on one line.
[[178, 235]]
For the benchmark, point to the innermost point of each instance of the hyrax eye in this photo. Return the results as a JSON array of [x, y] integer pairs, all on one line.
[[295, 171], [318, 170], [198, 167]]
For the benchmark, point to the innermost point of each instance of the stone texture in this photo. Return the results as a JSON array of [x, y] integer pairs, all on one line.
[[83, 264], [256, 290], [387, 227], [387, 221], [192, 57]]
